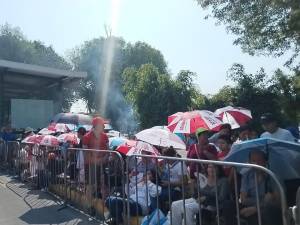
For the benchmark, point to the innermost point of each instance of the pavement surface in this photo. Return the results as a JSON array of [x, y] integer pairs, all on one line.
[[19, 205]]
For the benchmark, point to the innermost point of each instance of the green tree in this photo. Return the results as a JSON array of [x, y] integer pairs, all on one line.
[[139, 53], [259, 93], [155, 95], [288, 95], [185, 94], [92, 56], [224, 97], [149, 94], [268, 27]]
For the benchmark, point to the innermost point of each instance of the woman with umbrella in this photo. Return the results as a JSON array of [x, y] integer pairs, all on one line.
[[202, 150]]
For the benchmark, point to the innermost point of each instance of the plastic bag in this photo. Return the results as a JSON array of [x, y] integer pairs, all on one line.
[[157, 217]]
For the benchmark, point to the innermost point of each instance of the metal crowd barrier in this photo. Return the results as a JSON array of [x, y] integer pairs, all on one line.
[[76, 176], [127, 190], [187, 209], [90, 177], [2, 152], [8, 154]]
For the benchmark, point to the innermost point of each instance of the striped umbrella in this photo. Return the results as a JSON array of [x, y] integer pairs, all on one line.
[[49, 140], [235, 116], [69, 137], [33, 139], [189, 122]]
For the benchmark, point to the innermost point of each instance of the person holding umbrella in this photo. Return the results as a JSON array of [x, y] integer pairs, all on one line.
[[202, 150], [225, 129], [272, 130]]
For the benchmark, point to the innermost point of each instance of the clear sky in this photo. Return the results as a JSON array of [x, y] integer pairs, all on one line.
[[176, 27]]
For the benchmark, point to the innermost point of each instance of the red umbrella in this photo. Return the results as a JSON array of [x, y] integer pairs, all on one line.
[[235, 116], [124, 148], [130, 143], [33, 139], [49, 140], [189, 122], [68, 137]]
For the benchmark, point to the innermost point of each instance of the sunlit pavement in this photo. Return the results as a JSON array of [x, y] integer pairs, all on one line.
[[20, 205]]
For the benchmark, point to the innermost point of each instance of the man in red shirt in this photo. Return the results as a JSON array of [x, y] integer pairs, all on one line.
[[95, 139]]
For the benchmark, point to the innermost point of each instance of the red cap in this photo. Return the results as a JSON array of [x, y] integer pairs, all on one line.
[[97, 121]]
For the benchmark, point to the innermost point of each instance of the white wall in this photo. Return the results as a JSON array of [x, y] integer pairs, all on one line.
[[31, 113]]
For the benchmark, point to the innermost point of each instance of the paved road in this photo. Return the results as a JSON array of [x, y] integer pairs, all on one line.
[[19, 206]]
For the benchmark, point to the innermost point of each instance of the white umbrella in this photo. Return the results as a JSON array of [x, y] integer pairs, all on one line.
[[160, 137]]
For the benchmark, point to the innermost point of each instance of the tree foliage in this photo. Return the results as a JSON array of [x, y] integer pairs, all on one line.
[[268, 27], [156, 95], [139, 53], [91, 57], [278, 94]]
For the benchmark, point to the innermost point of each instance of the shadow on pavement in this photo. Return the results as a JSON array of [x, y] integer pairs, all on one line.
[[42, 208], [51, 215]]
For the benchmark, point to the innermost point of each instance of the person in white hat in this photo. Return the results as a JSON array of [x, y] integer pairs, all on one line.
[[28, 132]]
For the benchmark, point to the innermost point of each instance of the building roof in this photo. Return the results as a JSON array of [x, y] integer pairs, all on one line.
[[21, 78], [36, 70]]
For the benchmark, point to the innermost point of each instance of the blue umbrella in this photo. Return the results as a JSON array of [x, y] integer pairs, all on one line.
[[283, 156], [116, 142]]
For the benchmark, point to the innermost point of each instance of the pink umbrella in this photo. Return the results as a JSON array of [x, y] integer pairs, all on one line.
[[68, 137], [189, 122], [60, 127], [33, 139], [142, 147], [49, 140], [46, 131], [235, 116]]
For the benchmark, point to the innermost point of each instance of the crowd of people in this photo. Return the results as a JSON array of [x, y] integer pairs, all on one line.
[[154, 184], [191, 191]]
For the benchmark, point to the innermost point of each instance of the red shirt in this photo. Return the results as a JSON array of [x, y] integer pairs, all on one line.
[[196, 153], [222, 154], [92, 142]]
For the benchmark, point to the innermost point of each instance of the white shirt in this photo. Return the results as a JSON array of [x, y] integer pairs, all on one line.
[[176, 171], [281, 134], [138, 192]]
